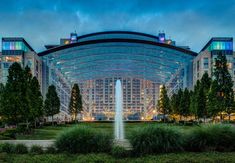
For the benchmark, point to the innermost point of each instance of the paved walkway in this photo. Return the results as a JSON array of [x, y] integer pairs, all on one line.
[[46, 143], [29, 143]]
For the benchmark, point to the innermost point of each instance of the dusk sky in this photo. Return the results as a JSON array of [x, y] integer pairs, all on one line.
[[188, 22]]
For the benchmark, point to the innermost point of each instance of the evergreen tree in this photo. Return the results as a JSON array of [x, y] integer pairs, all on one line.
[[25, 95], [212, 104], [195, 100], [36, 101], [174, 103], [200, 103], [52, 102], [179, 99], [205, 84], [75, 105], [1, 95], [225, 84], [185, 104], [164, 102], [12, 97]]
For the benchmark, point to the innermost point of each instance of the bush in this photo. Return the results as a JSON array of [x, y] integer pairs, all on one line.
[[51, 150], [21, 149], [119, 152], [211, 138], [36, 149], [10, 133], [156, 139], [7, 147], [83, 140]]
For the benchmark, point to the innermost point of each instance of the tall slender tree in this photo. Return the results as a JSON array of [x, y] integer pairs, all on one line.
[[52, 102], [36, 101], [205, 84], [174, 103], [185, 104], [1, 95], [164, 102], [225, 84], [213, 101], [75, 105], [25, 96]]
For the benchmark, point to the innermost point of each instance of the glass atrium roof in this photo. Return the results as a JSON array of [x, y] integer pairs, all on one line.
[[104, 55]]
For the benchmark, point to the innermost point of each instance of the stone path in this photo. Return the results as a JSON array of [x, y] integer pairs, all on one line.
[[29, 143]]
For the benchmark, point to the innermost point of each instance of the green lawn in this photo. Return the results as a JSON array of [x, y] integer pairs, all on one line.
[[50, 132], [212, 157]]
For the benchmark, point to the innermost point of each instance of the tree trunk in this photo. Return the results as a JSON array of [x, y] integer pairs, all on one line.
[[35, 124], [221, 117], [52, 120]]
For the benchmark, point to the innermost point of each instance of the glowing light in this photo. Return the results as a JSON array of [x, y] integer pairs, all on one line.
[[13, 45], [66, 42], [221, 45]]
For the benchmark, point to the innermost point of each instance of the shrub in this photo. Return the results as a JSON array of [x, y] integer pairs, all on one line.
[[211, 138], [156, 139], [51, 150], [10, 133], [119, 152], [36, 149], [21, 149], [83, 140], [7, 147]]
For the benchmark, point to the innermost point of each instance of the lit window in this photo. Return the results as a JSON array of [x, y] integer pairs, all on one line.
[[205, 63]]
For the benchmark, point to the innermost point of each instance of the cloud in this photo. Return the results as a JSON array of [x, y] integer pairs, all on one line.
[[188, 22]]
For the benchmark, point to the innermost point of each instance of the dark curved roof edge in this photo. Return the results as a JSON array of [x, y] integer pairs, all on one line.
[[116, 40], [117, 32]]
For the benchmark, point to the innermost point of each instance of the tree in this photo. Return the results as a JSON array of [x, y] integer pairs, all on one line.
[[25, 96], [18, 99], [225, 84], [206, 82], [184, 108], [179, 97], [174, 103], [164, 102], [205, 85], [12, 96], [52, 102], [1, 94], [75, 105], [212, 103], [36, 101]]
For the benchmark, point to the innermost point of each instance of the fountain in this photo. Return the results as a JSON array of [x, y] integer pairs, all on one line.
[[119, 125], [119, 131]]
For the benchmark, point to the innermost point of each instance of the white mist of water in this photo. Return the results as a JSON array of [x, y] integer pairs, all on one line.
[[119, 127]]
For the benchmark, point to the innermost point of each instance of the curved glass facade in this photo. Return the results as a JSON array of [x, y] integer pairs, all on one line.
[[96, 61]]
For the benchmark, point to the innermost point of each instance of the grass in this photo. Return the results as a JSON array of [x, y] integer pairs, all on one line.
[[51, 132], [156, 139], [209, 157], [83, 139]]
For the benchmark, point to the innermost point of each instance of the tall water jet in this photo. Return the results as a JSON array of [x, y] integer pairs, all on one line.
[[119, 128]]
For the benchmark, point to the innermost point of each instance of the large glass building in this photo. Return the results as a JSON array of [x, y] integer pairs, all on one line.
[[95, 61]]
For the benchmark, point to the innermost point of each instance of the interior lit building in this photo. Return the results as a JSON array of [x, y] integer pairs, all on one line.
[[16, 49], [95, 61], [205, 60]]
